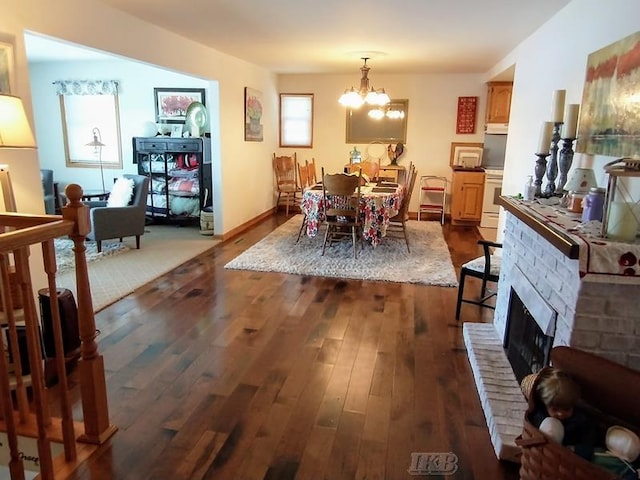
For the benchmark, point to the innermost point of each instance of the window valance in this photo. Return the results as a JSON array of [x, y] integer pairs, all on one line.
[[86, 87]]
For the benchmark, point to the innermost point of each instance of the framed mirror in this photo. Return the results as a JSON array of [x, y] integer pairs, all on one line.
[[390, 128]]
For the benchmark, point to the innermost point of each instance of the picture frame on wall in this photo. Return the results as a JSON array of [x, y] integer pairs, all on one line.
[[253, 130], [608, 120], [6, 64], [171, 103]]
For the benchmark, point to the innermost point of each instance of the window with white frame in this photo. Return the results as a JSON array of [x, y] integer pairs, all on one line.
[[296, 120]]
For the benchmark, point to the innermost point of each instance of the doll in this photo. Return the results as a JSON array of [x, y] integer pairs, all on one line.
[[558, 395]]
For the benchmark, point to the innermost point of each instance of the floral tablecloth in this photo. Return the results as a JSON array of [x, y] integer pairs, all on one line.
[[600, 259], [376, 209]]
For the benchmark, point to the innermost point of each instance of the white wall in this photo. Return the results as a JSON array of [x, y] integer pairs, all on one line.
[[555, 57], [136, 82], [234, 161], [431, 125]]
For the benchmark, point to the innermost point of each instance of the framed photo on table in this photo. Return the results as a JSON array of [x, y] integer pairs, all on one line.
[[171, 103]]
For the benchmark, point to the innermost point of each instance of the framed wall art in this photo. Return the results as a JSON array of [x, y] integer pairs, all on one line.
[[252, 115], [610, 113], [172, 103], [6, 64], [466, 120]]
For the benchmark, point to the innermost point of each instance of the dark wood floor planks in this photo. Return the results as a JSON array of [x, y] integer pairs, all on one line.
[[225, 374]]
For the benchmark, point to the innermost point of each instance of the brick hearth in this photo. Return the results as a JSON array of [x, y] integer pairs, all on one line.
[[597, 317]]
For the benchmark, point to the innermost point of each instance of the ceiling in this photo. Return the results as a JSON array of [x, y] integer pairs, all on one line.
[[330, 36]]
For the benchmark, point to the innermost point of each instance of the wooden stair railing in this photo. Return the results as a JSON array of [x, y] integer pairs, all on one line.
[[18, 416]]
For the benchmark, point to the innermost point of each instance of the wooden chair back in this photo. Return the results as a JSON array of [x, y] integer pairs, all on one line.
[[286, 171], [311, 167], [404, 208], [371, 168], [303, 174], [341, 194]]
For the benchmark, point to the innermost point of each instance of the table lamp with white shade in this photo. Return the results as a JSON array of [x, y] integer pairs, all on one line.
[[15, 132]]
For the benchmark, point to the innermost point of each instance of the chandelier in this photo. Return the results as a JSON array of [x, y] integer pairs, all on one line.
[[353, 98]]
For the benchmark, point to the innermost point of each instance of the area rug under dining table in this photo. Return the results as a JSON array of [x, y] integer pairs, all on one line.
[[429, 262]]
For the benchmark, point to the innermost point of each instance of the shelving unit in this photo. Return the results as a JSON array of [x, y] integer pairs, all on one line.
[[179, 170], [433, 195]]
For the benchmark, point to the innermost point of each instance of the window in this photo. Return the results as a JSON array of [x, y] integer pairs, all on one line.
[[296, 120], [89, 111]]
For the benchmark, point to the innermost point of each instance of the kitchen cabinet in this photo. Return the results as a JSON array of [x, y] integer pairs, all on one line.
[[179, 170], [498, 102], [467, 190]]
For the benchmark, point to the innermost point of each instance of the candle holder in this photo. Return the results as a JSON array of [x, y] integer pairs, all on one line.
[[540, 168], [552, 166], [564, 163]]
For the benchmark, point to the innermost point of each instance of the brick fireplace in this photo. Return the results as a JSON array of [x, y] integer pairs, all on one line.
[[541, 263]]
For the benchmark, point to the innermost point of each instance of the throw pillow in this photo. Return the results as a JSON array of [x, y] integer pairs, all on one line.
[[121, 193]]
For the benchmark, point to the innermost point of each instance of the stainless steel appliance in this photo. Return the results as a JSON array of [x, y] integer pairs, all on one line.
[[495, 145]]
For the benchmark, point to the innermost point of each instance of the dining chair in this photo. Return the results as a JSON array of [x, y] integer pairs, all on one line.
[[305, 181], [341, 198], [486, 268], [303, 175], [398, 222], [311, 166], [286, 172], [370, 168]]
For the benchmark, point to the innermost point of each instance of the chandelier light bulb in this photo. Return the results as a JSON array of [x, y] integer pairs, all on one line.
[[353, 98]]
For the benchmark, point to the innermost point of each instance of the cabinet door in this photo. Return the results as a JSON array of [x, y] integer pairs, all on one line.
[[498, 103], [466, 196]]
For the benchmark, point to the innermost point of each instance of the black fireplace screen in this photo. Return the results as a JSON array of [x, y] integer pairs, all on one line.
[[526, 345]]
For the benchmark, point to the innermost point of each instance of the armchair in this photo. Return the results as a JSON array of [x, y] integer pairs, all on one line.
[[48, 191], [118, 222]]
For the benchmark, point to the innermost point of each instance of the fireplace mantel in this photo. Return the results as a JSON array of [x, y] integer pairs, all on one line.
[[553, 235], [591, 286]]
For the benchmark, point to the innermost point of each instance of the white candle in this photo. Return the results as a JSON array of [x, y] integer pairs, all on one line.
[[570, 126], [557, 110], [545, 137]]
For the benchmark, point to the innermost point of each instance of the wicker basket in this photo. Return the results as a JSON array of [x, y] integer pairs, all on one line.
[[607, 388]]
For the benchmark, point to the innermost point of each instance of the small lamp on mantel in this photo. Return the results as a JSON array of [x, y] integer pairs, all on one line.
[[15, 132], [581, 180], [97, 145]]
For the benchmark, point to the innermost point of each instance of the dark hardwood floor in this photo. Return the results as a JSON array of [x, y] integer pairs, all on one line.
[[226, 374]]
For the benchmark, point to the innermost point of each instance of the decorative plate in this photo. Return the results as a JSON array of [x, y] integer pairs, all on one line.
[[196, 116]]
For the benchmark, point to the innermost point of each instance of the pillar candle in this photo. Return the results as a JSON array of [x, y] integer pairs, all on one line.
[[545, 137], [571, 121], [557, 109]]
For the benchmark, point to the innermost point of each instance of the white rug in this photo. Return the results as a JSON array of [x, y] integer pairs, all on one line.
[[163, 248], [65, 257], [428, 263]]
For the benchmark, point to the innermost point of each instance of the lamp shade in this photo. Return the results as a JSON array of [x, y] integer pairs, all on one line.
[[15, 131], [581, 180]]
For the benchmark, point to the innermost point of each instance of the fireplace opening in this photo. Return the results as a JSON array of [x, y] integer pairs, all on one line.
[[527, 347]]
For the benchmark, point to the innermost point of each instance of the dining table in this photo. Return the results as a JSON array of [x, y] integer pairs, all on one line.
[[378, 203]]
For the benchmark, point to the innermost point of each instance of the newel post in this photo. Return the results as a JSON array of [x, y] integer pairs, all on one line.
[[93, 388]]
